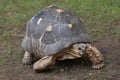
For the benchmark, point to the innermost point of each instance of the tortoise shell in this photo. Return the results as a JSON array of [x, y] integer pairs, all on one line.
[[52, 30]]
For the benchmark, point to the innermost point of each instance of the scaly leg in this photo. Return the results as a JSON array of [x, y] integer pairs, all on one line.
[[27, 59], [95, 56], [44, 63]]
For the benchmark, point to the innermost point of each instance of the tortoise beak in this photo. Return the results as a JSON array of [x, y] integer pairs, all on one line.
[[82, 47]]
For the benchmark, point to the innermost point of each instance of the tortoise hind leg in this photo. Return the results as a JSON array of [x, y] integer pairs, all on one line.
[[95, 56], [27, 58], [44, 63]]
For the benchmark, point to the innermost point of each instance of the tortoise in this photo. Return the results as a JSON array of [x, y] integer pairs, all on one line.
[[57, 34]]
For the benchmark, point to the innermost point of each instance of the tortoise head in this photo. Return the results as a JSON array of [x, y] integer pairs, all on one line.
[[80, 48]]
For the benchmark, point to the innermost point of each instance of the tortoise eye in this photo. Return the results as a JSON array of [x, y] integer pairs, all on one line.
[[79, 48]]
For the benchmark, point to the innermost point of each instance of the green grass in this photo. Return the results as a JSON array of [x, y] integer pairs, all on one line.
[[116, 32]]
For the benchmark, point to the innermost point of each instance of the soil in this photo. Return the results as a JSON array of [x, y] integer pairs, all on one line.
[[109, 45]]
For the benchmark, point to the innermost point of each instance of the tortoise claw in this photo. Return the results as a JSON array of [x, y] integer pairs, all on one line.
[[27, 60], [97, 66]]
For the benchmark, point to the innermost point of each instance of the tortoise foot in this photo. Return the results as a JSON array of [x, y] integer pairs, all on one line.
[[27, 59], [44, 63], [95, 56], [97, 66]]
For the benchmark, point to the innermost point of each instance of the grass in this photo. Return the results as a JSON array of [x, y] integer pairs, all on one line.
[[98, 17], [116, 32]]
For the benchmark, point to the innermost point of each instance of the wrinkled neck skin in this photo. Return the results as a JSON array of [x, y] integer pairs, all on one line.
[[72, 52]]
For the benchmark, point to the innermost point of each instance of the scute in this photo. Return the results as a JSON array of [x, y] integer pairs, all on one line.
[[52, 31]]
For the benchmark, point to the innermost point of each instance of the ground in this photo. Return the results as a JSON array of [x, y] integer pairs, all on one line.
[[102, 20]]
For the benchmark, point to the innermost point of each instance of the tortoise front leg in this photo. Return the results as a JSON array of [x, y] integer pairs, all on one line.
[[95, 56], [44, 63], [27, 58]]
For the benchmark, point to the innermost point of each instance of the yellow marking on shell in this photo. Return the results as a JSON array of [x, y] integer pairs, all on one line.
[[70, 26], [39, 20], [50, 6], [32, 18], [49, 28], [60, 10], [40, 39], [33, 45], [81, 19]]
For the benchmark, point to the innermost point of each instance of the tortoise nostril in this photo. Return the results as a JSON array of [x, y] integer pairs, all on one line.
[[86, 47]]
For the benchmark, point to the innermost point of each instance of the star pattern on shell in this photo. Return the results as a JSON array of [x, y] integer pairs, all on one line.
[[60, 10], [49, 28], [39, 20], [70, 26]]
